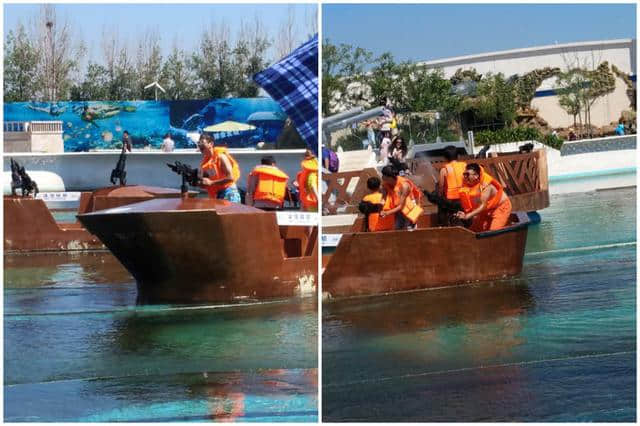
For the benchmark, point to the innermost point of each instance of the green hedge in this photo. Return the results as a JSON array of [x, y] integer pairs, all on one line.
[[516, 134]]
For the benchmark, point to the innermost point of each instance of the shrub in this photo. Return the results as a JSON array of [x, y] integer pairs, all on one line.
[[516, 134]]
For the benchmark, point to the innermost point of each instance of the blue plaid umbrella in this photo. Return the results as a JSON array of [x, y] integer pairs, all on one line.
[[293, 83]]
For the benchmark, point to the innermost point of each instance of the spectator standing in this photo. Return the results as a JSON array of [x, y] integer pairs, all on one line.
[[167, 143]]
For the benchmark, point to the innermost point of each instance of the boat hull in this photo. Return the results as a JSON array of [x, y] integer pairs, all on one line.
[[367, 263], [29, 225], [196, 250]]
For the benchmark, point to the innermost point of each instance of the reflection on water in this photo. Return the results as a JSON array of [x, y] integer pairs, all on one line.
[[78, 348], [556, 344]]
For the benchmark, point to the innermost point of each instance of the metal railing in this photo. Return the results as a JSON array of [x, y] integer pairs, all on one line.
[[16, 126]]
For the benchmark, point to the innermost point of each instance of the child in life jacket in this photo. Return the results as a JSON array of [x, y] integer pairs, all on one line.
[[371, 206]]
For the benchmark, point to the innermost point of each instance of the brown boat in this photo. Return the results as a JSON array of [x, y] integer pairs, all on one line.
[[368, 263], [195, 250], [30, 226]]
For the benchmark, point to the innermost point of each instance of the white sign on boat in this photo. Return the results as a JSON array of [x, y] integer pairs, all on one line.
[[330, 240], [297, 218]]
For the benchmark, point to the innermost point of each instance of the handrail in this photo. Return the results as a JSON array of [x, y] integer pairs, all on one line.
[[522, 175]]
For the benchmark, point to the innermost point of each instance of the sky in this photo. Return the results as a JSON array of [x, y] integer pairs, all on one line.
[[423, 32], [181, 22]]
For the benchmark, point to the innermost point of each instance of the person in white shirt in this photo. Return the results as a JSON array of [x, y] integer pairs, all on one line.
[[167, 143]]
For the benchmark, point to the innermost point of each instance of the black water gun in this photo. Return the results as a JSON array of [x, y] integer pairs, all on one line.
[[20, 179], [119, 172]]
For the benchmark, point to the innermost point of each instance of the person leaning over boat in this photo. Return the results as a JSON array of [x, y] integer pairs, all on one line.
[[483, 200], [375, 197], [267, 185], [220, 170], [450, 184], [405, 199], [307, 182]]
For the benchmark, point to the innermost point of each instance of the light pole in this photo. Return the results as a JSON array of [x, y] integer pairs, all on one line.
[[52, 94]]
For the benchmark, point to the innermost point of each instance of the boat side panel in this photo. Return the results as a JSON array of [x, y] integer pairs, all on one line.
[[29, 226], [198, 255], [385, 262]]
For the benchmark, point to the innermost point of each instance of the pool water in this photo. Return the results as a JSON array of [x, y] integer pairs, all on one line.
[[556, 344], [78, 348]]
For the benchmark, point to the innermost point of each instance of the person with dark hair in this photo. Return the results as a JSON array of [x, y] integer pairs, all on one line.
[[372, 204], [405, 198], [399, 149], [267, 185], [483, 200], [220, 170], [126, 141], [450, 183]]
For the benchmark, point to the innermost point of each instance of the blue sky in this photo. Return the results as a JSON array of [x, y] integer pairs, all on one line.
[[424, 32], [182, 22]]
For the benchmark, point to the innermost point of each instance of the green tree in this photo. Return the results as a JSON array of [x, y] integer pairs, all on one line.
[[341, 65], [148, 65], [177, 77], [20, 67], [95, 85], [569, 86]]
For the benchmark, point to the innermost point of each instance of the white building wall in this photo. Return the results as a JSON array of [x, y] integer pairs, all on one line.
[[607, 109]]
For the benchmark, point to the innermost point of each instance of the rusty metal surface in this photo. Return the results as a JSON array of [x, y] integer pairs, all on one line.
[[194, 250], [30, 226], [394, 261]]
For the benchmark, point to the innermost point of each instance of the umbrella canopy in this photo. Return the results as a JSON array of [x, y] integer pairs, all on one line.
[[229, 126]]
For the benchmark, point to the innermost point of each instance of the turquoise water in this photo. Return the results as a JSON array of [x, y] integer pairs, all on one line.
[[557, 344], [77, 348]]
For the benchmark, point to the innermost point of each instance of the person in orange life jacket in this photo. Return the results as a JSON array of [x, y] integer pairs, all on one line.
[[483, 200], [307, 182], [267, 185], [220, 171], [405, 199], [376, 198], [450, 182]]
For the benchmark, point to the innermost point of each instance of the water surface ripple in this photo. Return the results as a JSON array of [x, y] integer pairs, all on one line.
[[557, 343]]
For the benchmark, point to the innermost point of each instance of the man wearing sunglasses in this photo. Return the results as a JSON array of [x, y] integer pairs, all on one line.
[[483, 200]]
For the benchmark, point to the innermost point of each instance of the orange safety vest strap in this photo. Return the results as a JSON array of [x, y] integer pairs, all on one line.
[[411, 209]]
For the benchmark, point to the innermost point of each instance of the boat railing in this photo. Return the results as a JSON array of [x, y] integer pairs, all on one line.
[[524, 177]]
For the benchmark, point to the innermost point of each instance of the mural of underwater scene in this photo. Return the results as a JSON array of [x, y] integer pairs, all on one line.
[[235, 122]]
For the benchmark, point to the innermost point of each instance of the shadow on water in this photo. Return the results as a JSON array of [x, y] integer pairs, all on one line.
[[424, 310]]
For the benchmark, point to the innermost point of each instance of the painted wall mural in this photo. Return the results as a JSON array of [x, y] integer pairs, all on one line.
[[235, 122]]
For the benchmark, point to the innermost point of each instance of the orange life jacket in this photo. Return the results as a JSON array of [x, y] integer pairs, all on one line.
[[377, 223], [212, 164], [308, 199], [271, 184], [411, 209], [454, 178], [470, 196]]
